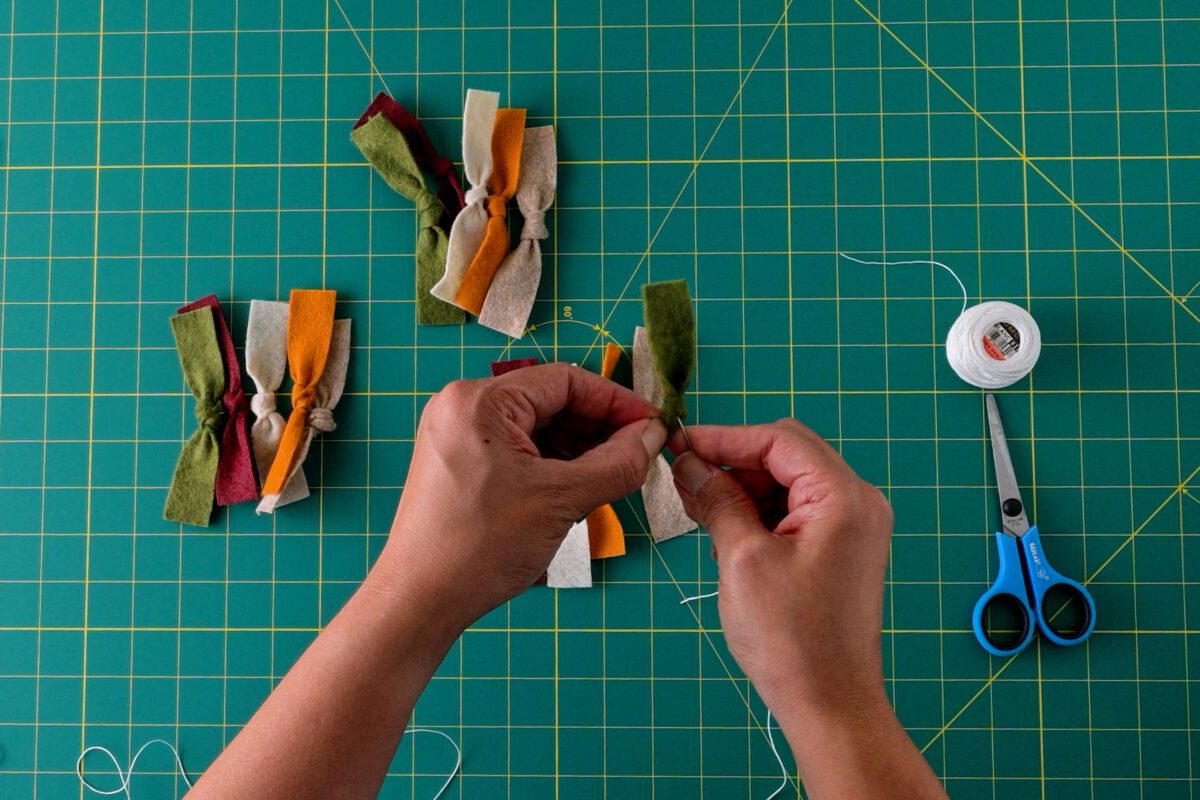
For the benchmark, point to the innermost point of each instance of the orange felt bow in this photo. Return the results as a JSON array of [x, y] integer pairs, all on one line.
[[508, 134], [309, 331], [606, 537]]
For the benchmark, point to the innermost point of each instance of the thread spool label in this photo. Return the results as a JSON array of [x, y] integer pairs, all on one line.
[[1001, 341]]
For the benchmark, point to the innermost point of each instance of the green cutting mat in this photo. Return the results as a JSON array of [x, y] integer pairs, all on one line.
[[155, 151]]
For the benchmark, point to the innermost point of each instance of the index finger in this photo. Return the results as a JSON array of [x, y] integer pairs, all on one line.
[[787, 449], [554, 389]]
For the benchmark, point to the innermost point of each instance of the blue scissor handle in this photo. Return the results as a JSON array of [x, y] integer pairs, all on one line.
[[1042, 579], [1010, 588]]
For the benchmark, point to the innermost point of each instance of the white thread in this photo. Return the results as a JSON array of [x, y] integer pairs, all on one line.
[[778, 758], [991, 345], [457, 763], [687, 600], [126, 776]]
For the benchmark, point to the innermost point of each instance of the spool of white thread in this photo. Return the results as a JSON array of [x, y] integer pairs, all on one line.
[[993, 344]]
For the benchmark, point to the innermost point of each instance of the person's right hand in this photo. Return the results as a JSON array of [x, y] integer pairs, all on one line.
[[801, 543]]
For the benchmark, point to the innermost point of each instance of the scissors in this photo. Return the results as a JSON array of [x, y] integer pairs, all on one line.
[[1027, 589]]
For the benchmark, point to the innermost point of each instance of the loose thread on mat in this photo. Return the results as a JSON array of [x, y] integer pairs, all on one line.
[[953, 274], [457, 753], [126, 776]]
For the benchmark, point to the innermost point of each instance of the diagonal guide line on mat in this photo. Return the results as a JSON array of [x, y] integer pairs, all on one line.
[[1181, 489], [1181, 302]]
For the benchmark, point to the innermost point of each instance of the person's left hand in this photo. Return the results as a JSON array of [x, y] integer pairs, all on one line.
[[501, 469]]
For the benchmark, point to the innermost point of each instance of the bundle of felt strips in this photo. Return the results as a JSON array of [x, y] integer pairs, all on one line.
[[226, 457], [663, 353], [462, 255]]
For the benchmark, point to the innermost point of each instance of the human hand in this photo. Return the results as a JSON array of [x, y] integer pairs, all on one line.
[[501, 469], [802, 543]]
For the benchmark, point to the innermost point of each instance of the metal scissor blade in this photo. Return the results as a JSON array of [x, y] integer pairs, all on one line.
[[1012, 510]]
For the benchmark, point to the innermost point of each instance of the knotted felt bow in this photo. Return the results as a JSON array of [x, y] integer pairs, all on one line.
[[606, 537], [507, 137], [671, 328], [266, 359], [388, 152], [664, 508], [479, 116], [510, 298], [190, 498], [320, 417], [235, 466], [423, 151], [309, 330]]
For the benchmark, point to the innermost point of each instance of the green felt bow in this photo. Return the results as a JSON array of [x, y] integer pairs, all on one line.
[[190, 498], [386, 149], [671, 326]]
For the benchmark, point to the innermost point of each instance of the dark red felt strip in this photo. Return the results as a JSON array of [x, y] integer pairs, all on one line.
[[502, 367]]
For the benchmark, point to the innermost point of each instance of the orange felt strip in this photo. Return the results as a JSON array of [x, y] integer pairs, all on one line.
[[309, 331], [612, 354], [508, 134], [606, 537]]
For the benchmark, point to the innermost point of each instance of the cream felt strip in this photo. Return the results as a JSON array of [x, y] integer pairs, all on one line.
[[664, 508], [572, 564], [466, 234], [513, 290], [266, 361], [320, 417]]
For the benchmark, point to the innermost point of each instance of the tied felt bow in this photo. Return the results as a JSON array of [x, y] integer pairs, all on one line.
[[507, 136], [388, 152], [190, 498], [423, 151], [510, 298], [320, 417], [479, 116], [235, 468], [309, 331], [266, 359], [664, 509]]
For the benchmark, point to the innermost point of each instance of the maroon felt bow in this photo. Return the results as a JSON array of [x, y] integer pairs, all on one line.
[[236, 481], [423, 151]]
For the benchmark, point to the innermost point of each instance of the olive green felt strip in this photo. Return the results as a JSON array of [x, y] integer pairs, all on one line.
[[386, 149], [190, 498], [671, 326]]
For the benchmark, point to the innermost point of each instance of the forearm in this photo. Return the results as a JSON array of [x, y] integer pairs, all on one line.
[[859, 750], [332, 725]]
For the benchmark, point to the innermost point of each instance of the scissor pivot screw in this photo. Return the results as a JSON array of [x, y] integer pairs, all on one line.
[[1011, 507]]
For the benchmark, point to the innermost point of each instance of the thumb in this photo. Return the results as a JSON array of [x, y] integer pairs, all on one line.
[[617, 466], [717, 501]]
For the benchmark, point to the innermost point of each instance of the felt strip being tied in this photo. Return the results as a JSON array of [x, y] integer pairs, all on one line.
[[309, 331], [664, 509], [479, 116], [571, 567], [190, 498], [606, 537], [266, 360], [423, 151], [236, 481], [388, 152], [514, 288], [671, 328], [320, 417], [507, 138]]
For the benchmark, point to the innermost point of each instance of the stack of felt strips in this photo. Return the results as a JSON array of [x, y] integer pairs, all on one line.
[[224, 459], [462, 257], [663, 354]]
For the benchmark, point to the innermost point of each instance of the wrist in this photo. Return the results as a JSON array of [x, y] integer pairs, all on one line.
[[402, 591]]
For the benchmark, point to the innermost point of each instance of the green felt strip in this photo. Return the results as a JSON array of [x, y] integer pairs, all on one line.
[[388, 152], [671, 326], [190, 498]]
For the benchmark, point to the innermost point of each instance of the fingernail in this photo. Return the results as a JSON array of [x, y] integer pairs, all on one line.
[[692, 472], [654, 436]]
